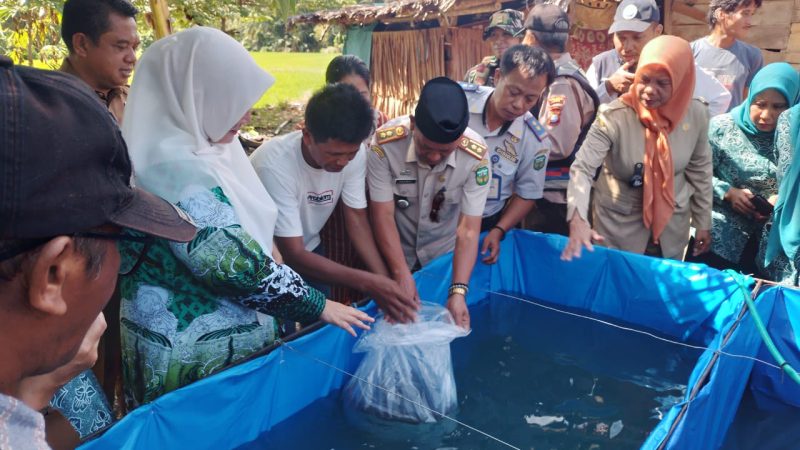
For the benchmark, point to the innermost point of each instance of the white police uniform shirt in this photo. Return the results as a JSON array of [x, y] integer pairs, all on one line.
[[518, 152], [306, 196]]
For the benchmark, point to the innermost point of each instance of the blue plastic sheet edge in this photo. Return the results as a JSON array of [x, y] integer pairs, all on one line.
[[711, 412], [686, 302]]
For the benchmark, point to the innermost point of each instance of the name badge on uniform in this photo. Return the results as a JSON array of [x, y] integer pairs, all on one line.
[[494, 188], [637, 179], [405, 181]]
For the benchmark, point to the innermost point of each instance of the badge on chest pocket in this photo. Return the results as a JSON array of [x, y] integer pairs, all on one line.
[[495, 187]]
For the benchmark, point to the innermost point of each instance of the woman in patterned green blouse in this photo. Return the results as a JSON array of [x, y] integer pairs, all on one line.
[[744, 166], [190, 309]]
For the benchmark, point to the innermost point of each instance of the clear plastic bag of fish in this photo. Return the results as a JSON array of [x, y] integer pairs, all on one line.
[[407, 372]]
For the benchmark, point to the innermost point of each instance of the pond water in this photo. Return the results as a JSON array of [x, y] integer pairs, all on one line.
[[531, 377]]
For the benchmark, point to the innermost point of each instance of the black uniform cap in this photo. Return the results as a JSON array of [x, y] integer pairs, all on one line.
[[442, 114]]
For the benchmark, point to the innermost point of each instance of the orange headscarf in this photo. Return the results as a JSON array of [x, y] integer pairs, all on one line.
[[674, 55]]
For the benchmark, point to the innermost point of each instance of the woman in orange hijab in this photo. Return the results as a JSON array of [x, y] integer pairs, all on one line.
[[651, 149]]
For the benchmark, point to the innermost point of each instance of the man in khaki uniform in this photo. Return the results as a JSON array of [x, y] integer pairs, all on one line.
[[504, 25], [518, 143], [567, 112], [428, 179]]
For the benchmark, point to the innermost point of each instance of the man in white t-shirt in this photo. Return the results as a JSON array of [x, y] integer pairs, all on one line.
[[306, 172]]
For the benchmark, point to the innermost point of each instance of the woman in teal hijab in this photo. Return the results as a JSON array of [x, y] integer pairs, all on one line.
[[778, 257], [745, 166]]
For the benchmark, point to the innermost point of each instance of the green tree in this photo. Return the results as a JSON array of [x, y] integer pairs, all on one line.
[[30, 31]]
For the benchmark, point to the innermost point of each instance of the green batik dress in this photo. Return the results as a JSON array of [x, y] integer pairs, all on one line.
[[781, 270], [192, 308], [741, 161]]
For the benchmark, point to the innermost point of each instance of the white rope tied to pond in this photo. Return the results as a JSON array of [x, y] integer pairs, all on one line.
[[634, 330], [624, 328]]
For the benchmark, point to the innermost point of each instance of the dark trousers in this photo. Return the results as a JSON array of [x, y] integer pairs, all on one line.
[[488, 222], [746, 263], [548, 217]]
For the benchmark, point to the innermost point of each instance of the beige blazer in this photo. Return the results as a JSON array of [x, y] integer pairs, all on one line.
[[615, 144]]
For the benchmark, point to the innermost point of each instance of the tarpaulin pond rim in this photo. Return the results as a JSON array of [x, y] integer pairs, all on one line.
[[680, 301]]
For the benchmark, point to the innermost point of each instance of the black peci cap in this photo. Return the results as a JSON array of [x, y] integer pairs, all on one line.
[[64, 167], [442, 114]]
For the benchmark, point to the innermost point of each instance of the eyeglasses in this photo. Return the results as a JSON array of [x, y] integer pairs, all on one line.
[[133, 254], [438, 199]]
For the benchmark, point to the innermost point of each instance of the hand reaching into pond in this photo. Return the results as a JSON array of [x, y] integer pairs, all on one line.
[[345, 317], [580, 235]]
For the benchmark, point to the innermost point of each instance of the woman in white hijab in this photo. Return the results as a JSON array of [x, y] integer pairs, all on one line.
[[190, 309]]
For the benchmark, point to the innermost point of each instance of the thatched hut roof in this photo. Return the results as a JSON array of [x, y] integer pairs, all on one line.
[[391, 11]]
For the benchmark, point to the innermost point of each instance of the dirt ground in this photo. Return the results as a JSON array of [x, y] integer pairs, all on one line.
[[269, 122]]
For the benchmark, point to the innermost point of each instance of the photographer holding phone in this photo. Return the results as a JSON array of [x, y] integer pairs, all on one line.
[[745, 183]]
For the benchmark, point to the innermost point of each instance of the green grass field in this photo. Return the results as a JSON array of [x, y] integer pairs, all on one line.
[[297, 75]]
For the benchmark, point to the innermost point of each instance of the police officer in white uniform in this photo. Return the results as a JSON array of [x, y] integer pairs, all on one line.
[[518, 144], [428, 179]]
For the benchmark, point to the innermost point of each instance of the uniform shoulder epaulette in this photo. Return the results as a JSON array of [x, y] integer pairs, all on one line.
[[468, 87], [391, 133], [536, 127], [474, 148]]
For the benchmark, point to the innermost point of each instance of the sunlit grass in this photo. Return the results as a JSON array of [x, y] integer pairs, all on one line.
[[297, 75]]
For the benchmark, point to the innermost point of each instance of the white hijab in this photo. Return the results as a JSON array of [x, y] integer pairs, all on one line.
[[190, 89]]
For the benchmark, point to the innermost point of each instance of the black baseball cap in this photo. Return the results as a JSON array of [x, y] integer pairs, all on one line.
[[635, 15], [442, 114], [64, 167], [547, 18]]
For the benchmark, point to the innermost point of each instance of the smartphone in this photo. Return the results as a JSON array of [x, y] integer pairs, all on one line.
[[761, 205]]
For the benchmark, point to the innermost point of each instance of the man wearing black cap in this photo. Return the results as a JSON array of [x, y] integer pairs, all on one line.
[[567, 112], [636, 22], [428, 180], [65, 196], [501, 33]]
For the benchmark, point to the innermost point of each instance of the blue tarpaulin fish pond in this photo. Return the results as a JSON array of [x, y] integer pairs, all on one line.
[[682, 302]]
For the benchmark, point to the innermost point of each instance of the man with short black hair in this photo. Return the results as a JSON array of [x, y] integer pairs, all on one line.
[[58, 253], [501, 33], [102, 41], [306, 172], [731, 61], [428, 180], [518, 143], [567, 111]]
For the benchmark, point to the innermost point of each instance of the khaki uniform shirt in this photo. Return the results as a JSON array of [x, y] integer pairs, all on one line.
[[114, 100], [395, 174], [616, 143], [518, 152], [566, 109]]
